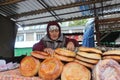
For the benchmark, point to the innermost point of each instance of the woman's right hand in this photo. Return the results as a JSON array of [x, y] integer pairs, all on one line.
[[49, 50]]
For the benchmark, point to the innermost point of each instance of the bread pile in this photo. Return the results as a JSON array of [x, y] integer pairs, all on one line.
[[64, 54], [112, 54], [88, 56], [65, 63], [49, 69]]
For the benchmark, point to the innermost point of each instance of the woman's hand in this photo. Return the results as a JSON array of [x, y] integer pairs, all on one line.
[[49, 50], [70, 46]]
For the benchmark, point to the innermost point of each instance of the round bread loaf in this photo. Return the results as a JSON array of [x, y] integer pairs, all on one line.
[[88, 65], [117, 58], [29, 66], [92, 50], [65, 52], [40, 52], [40, 55], [112, 52], [64, 58], [50, 69], [107, 69], [91, 61], [89, 55], [75, 71]]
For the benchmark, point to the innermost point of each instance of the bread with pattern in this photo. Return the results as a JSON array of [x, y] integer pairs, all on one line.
[[50, 69], [29, 66], [75, 71]]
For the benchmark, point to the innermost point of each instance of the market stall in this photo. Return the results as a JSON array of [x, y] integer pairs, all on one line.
[[22, 13]]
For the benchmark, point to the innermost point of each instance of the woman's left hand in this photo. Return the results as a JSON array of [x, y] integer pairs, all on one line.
[[70, 46]]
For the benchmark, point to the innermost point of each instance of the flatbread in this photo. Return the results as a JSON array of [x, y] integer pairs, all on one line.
[[107, 69], [112, 52], [65, 52], [90, 66], [50, 69], [91, 61], [40, 52], [29, 66], [92, 50], [40, 55], [75, 71], [64, 58], [89, 55], [117, 58]]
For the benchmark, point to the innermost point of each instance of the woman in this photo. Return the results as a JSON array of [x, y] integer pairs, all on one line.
[[54, 39]]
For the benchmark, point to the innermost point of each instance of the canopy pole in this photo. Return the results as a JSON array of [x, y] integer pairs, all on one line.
[[97, 31]]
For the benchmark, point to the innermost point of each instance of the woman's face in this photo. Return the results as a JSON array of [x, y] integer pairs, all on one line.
[[54, 34]]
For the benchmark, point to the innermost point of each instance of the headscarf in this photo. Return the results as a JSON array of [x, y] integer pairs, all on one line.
[[51, 23]]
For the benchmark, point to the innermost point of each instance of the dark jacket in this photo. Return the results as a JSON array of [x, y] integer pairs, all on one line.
[[45, 42]]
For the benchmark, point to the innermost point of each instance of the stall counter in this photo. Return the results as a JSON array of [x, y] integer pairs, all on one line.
[[15, 75]]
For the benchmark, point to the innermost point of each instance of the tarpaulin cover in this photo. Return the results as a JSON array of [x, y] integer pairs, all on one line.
[[88, 36]]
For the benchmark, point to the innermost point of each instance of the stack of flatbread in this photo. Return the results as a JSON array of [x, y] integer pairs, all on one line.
[[112, 54], [40, 54], [64, 54], [88, 56]]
